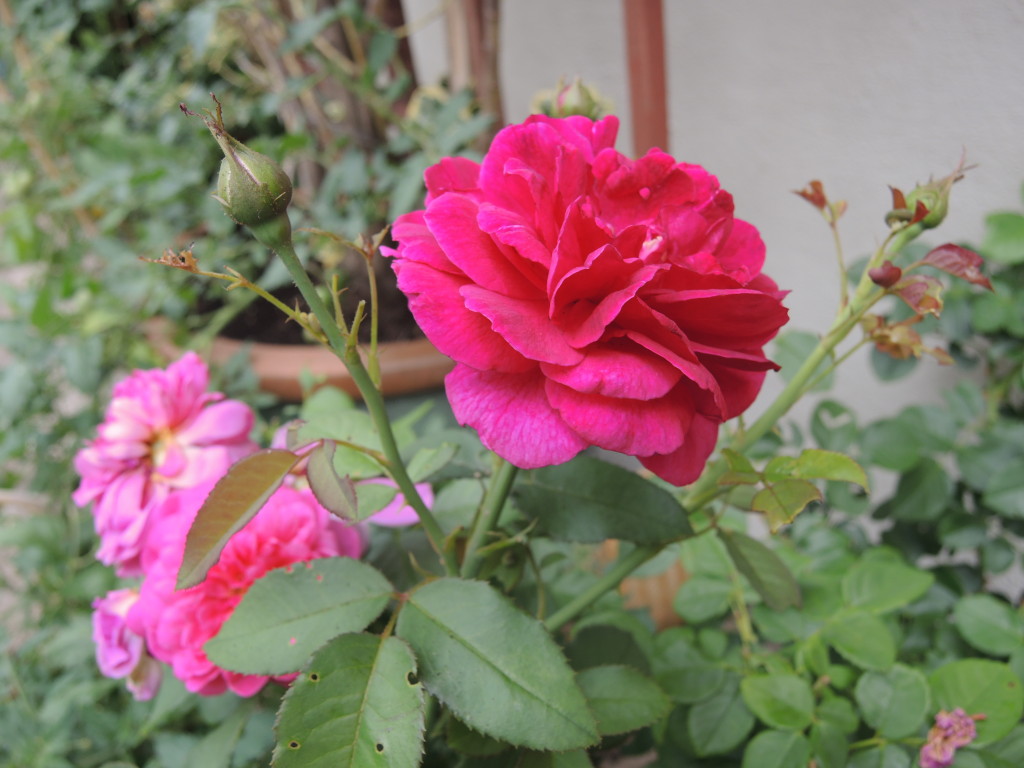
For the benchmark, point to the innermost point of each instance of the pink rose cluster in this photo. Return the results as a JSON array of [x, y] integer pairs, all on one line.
[[589, 299], [164, 443]]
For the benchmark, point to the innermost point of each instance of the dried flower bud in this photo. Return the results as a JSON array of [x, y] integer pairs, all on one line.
[[253, 189]]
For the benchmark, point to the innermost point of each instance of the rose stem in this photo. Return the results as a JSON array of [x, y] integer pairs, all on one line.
[[487, 516], [349, 356]]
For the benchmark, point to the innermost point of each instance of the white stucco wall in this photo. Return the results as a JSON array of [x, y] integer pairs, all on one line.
[[770, 95]]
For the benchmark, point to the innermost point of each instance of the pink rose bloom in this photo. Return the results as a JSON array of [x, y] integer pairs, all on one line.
[[951, 731], [589, 299], [120, 652], [291, 528], [162, 431]]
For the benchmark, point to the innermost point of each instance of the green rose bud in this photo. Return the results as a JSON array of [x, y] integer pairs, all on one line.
[[927, 204], [253, 189]]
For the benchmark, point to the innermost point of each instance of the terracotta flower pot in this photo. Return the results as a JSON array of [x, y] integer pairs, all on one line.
[[406, 366]]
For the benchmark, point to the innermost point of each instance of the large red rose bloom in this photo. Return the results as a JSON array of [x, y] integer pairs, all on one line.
[[589, 299]]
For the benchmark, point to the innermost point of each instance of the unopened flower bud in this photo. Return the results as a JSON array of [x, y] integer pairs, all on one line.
[[572, 99], [253, 189], [926, 204]]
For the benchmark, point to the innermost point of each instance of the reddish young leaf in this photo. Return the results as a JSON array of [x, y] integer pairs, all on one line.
[[899, 202], [958, 262], [922, 294], [233, 502], [920, 211]]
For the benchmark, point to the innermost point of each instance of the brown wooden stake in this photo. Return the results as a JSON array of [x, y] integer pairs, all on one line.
[[645, 53]]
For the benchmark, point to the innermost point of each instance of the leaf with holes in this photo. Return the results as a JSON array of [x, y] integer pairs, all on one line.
[[356, 703], [233, 502], [290, 612], [494, 667]]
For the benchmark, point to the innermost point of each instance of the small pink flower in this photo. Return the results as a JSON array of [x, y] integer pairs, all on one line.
[[951, 731], [163, 431], [120, 652], [291, 528], [397, 513], [589, 299]]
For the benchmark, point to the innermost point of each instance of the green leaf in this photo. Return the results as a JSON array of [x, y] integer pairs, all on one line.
[[884, 586], [741, 471], [895, 702], [357, 703], [681, 670], [720, 723], [577, 758], [765, 571], [233, 502], [336, 493], [777, 749], [890, 444], [781, 502], [622, 699], [701, 598], [989, 624], [494, 667], [427, 461], [997, 555], [815, 464], [780, 701], [829, 745], [922, 495], [838, 712], [1005, 490], [792, 348], [980, 686], [834, 426], [346, 426], [1004, 237], [862, 639], [588, 500], [290, 612], [216, 748], [889, 756], [464, 739]]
